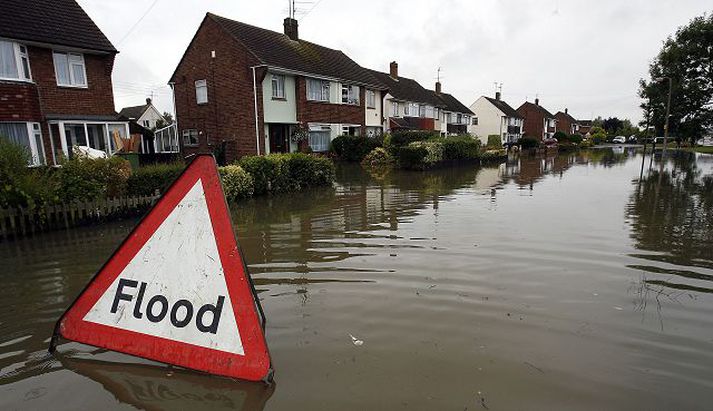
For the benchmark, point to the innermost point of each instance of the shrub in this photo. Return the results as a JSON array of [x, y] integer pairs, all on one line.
[[309, 171], [262, 171], [147, 180], [528, 142], [82, 178], [412, 157], [575, 138], [460, 148], [276, 173], [404, 138], [20, 185], [378, 157], [586, 143], [237, 183], [491, 155], [494, 141], [353, 148], [561, 137]]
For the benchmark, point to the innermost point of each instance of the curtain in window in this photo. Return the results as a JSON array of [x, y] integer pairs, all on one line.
[[8, 65], [319, 140], [16, 133], [61, 67]]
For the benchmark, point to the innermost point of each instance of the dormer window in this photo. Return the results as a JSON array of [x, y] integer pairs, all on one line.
[[14, 61], [69, 69]]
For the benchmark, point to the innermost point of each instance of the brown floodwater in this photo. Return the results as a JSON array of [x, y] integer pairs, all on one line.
[[580, 281]]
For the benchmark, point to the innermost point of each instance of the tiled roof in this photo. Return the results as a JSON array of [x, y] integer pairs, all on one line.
[[133, 113], [543, 110], [407, 89], [277, 50], [567, 116], [451, 103], [504, 107], [58, 22]]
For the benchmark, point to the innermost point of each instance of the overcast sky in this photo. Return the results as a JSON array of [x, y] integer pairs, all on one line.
[[585, 55]]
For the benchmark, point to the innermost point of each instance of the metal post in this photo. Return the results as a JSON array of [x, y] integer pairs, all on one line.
[[668, 114]]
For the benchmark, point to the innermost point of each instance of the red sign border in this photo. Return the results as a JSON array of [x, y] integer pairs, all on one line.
[[255, 365]]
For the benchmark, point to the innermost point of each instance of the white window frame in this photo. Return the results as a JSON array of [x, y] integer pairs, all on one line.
[[278, 86], [395, 109], [72, 81], [322, 130], [19, 55], [318, 95], [187, 134], [407, 109], [201, 91], [422, 110], [370, 99], [352, 94]]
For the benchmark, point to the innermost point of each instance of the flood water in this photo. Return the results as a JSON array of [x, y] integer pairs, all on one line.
[[582, 281]]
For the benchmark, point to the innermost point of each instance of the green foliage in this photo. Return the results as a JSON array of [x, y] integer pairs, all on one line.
[[412, 157], [82, 178], [686, 59], [599, 135], [404, 138], [493, 155], [460, 147], [528, 142], [576, 138], [378, 157], [494, 141], [561, 136], [587, 143], [148, 180], [237, 183], [276, 173], [353, 148], [20, 185]]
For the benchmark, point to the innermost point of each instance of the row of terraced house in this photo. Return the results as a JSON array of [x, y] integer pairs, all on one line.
[[238, 88]]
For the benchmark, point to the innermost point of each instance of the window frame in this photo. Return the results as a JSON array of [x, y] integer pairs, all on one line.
[[278, 79], [66, 55], [324, 86], [203, 86], [370, 99], [18, 56], [395, 109], [187, 134], [352, 96]]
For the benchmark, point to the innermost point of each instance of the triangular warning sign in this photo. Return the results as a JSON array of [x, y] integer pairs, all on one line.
[[177, 290]]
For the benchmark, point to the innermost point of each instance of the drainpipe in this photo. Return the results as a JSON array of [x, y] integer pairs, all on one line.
[[175, 113], [257, 126]]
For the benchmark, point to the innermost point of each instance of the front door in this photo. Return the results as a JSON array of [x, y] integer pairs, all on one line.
[[278, 139]]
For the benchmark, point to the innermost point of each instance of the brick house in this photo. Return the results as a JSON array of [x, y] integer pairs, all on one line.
[[55, 80], [250, 89], [538, 122], [455, 115], [566, 123]]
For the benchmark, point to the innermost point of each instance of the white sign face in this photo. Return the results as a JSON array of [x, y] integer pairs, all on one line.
[[175, 288]]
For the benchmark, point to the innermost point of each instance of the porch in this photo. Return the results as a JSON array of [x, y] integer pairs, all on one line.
[[99, 133]]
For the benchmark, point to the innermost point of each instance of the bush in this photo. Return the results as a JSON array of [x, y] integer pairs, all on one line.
[[404, 138], [82, 178], [309, 171], [147, 180], [353, 148], [561, 136], [20, 185], [276, 173], [575, 138], [378, 157], [460, 148], [412, 157], [528, 142], [494, 141], [237, 183], [491, 155], [262, 171]]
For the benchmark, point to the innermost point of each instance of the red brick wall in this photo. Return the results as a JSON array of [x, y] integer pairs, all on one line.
[[19, 102], [321, 112], [533, 125], [229, 115], [564, 124]]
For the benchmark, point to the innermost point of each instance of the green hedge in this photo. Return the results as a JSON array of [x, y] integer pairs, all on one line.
[[528, 142], [404, 138], [460, 148], [412, 157], [494, 141], [275, 173], [378, 157], [147, 180], [237, 183], [354, 148]]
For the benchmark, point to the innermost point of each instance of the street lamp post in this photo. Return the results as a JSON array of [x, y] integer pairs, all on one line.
[[668, 112]]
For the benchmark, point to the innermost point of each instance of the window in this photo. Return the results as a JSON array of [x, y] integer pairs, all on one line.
[[475, 121], [448, 118], [147, 123], [370, 99], [406, 109], [394, 109], [422, 111], [317, 90], [351, 130], [14, 61], [459, 118], [429, 112], [436, 113], [69, 69], [278, 86], [319, 139], [27, 135], [201, 92], [190, 137], [350, 94]]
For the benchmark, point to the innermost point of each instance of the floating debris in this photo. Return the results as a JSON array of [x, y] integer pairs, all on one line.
[[356, 341]]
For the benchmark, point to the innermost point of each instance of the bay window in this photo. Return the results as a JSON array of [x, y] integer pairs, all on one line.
[[14, 61], [319, 138], [278, 86], [350, 94], [27, 135], [317, 90], [69, 69]]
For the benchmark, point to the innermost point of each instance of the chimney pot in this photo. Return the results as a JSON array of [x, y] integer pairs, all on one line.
[[438, 87], [497, 95], [537, 101], [394, 69], [290, 25], [565, 110], [148, 100]]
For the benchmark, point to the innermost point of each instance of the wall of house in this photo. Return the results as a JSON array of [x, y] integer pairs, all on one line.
[[229, 115], [279, 110], [329, 112], [533, 125], [373, 115], [19, 101], [152, 116], [490, 120], [563, 123]]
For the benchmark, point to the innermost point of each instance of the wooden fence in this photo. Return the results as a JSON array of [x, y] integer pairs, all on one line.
[[15, 222]]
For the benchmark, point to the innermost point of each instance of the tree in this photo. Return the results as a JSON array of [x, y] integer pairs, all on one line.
[[687, 59], [167, 120], [612, 126]]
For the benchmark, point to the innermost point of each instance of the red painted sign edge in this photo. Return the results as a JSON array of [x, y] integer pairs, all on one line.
[[255, 365]]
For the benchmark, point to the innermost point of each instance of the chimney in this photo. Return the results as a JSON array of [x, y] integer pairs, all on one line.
[[394, 69], [565, 111], [438, 87], [537, 101], [497, 95], [148, 100], [291, 28]]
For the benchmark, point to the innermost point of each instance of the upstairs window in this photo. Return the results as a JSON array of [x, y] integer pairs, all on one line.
[[394, 109], [278, 86], [317, 90], [69, 69], [350, 94], [370, 99], [475, 121], [201, 92], [190, 137], [14, 61]]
